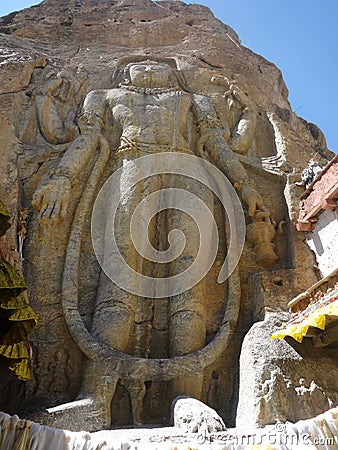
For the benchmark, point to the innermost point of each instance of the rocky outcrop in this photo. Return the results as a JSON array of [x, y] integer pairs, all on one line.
[[192, 416], [283, 381]]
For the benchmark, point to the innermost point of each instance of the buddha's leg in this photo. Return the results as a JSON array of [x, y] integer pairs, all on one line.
[[114, 315], [187, 311], [121, 319], [113, 324], [187, 334], [113, 319]]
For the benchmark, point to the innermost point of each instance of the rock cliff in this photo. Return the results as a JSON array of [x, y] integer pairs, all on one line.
[[52, 57]]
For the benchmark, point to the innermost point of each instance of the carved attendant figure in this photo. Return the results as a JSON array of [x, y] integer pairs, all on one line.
[[56, 112]]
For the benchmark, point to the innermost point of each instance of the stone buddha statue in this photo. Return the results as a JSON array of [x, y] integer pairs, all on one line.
[[150, 111]]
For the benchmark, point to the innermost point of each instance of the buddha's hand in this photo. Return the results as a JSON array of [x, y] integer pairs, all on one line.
[[51, 199], [252, 199]]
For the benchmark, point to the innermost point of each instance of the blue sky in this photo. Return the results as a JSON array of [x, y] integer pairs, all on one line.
[[299, 36]]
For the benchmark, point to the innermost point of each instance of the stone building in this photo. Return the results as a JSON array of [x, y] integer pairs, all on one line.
[[315, 310], [318, 216]]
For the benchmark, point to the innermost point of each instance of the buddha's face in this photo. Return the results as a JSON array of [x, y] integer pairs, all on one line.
[[149, 75]]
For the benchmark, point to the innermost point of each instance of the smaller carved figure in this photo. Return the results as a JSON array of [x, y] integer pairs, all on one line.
[[301, 389], [260, 234], [314, 396], [242, 134], [272, 397], [57, 107], [137, 391], [57, 380]]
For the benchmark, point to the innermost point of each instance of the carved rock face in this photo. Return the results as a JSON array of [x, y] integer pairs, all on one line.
[[65, 114]]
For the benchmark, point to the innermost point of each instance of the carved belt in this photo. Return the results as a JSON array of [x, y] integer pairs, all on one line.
[[130, 146]]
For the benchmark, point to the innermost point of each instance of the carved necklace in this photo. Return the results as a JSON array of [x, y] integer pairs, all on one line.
[[148, 91]]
